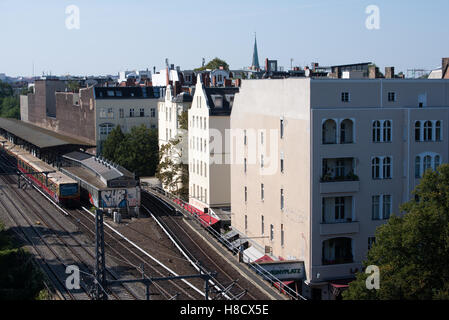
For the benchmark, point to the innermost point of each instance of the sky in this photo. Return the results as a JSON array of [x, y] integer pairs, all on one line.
[[132, 34]]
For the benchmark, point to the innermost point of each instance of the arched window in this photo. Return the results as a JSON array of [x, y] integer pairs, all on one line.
[[417, 131], [387, 131], [436, 162], [427, 163], [428, 131], [387, 168], [376, 131], [375, 168], [438, 131], [329, 132], [346, 131], [418, 167]]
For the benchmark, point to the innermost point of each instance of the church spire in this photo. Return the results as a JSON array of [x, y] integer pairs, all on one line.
[[255, 63]]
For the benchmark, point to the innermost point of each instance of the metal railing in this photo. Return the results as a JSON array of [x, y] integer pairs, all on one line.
[[219, 237]]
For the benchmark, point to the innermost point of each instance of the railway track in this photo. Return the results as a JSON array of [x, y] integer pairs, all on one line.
[[50, 260], [128, 254], [228, 278], [116, 249]]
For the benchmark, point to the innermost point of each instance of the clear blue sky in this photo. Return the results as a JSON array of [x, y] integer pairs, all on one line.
[[132, 34]]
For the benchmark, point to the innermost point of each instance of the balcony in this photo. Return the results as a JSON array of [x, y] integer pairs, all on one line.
[[339, 186], [348, 227]]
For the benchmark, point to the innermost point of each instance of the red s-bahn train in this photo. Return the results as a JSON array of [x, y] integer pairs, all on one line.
[[58, 186]]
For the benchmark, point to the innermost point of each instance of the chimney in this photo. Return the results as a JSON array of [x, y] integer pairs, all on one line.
[[372, 72], [389, 72], [444, 68], [227, 82], [167, 76], [214, 81], [177, 88], [266, 65]]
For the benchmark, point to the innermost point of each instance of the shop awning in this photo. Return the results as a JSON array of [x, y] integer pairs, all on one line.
[[265, 258], [205, 219], [251, 255]]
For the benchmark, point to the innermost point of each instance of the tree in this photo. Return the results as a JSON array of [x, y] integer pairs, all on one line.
[[136, 151], [112, 143], [412, 251], [73, 85], [9, 103], [171, 170], [216, 63]]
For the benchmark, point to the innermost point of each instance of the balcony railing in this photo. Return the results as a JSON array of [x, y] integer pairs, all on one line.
[[348, 177]]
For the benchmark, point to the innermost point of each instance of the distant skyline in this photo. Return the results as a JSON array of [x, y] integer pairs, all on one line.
[[125, 35]]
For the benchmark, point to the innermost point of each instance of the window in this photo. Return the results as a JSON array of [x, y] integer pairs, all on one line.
[[282, 235], [246, 194], [282, 165], [271, 232], [340, 168], [339, 208], [438, 131], [375, 208], [428, 131], [153, 112], [262, 225], [417, 131], [131, 113], [346, 131], [244, 137], [345, 96], [427, 164], [244, 165], [261, 160], [329, 132], [376, 131], [337, 251], [391, 96], [381, 207], [261, 191], [106, 128], [282, 199], [387, 131], [386, 168], [246, 223], [142, 112], [121, 112], [282, 128], [437, 162], [418, 167], [261, 138], [386, 211], [375, 168], [371, 241]]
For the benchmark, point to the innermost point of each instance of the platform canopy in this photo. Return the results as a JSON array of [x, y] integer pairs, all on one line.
[[40, 137]]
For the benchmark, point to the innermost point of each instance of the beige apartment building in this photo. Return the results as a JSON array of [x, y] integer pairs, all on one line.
[[170, 110], [321, 163], [209, 166]]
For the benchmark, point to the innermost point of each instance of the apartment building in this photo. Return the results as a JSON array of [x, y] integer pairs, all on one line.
[[209, 168], [321, 163], [170, 112], [91, 113], [125, 106]]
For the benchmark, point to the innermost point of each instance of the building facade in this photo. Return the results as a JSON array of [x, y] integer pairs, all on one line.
[[320, 164], [209, 168]]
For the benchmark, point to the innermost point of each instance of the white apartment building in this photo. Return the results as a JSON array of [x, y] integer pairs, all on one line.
[[124, 106], [209, 168], [322, 163], [170, 109]]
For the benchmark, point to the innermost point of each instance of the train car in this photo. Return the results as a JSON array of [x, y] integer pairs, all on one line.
[[61, 188]]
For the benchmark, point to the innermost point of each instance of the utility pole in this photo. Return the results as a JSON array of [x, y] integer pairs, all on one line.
[[100, 268]]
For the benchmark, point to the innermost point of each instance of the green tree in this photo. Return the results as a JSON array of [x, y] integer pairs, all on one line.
[[9, 103], [215, 63], [73, 85], [19, 278], [112, 143], [137, 151], [412, 250]]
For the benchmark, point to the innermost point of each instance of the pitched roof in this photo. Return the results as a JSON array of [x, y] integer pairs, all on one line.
[[220, 100]]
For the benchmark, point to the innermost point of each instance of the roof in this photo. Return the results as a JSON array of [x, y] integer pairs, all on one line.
[[38, 136], [183, 97], [127, 92], [220, 100], [101, 168]]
